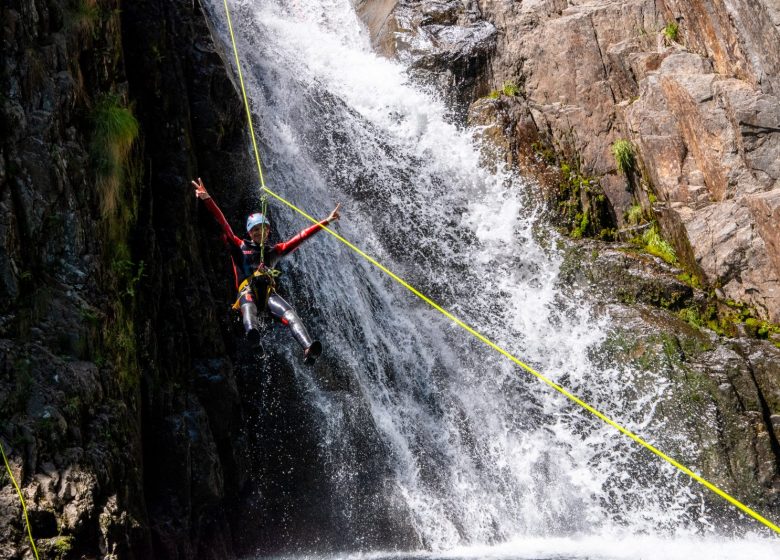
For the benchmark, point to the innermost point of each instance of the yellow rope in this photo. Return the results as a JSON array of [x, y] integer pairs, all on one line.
[[755, 515], [21, 499]]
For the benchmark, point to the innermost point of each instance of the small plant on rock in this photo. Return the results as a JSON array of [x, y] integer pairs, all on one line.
[[671, 32], [635, 214], [63, 546], [82, 15], [115, 131], [511, 89], [658, 246], [625, 158]]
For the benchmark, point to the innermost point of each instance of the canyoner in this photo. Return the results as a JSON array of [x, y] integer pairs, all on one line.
[[255, 272]]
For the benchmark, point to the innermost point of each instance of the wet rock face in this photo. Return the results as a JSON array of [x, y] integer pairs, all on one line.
[[132, 422], [723, 395], [718, 398], [699, 99], [444, 42], [68, 411]]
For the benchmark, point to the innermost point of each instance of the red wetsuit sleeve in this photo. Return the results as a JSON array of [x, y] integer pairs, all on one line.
[[294, 242], [220, 217]]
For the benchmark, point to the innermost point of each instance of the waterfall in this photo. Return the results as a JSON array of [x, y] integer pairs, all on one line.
[[472, 449]]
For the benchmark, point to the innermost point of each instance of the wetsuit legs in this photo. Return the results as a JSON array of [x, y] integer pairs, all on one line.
[[283, 311]]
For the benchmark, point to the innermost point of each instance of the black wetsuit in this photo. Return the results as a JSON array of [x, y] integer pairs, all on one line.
[[246, 256]]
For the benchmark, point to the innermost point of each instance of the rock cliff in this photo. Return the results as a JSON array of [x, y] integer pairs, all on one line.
[[119, 403], [692, 85]]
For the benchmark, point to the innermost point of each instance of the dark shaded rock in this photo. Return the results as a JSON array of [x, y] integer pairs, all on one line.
[[104, 314], [445, 43]]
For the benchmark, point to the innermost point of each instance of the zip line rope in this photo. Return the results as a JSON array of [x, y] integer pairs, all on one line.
[[21, 499], [625, 431]]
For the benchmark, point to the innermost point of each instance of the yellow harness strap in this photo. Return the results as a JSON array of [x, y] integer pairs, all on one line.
[[269, 273]]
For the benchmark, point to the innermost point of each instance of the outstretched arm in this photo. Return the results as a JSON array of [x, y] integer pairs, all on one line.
[[294, 242], [202, 193]]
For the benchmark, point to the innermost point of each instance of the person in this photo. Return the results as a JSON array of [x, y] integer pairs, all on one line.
[[254, 262]]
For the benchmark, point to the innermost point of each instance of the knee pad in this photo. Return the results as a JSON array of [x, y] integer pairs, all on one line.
[[291, 317]]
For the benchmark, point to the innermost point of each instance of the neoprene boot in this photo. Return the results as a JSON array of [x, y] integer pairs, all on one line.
[[313, 352]]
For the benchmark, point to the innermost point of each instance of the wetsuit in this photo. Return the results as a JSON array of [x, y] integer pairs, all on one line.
[[246, 256]]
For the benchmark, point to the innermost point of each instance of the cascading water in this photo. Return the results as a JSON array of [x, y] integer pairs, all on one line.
[[472, 450]]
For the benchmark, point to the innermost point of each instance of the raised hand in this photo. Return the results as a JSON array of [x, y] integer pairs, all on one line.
[[200, 189], [335, 215]]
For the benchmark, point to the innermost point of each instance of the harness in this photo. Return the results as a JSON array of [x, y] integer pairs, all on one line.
[[269, 275]]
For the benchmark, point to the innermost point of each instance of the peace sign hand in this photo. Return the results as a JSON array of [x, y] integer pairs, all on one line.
[[200, 189]]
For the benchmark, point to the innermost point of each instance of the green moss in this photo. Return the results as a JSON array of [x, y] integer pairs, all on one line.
[[581, 227], [625, 157], [690, 279], [672, 302], [120, 343], [607, 234], [128, 275], [119, 337], [544, 153], [63, 546], [583, 209], [691, 316], [760, 328]]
